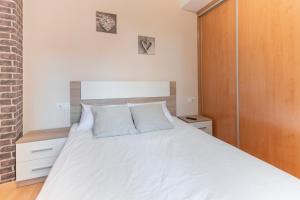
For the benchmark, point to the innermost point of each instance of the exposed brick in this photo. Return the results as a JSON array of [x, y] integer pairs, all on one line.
[[6, 170], [8, 122], [18, 128], [17, 100], [19, 106], [18, 64], [8, 82], [5, 76], [4, 35], [8, 95], [9, 176], [8, 42], [8, 109], [17, 76], [11, 82], [5, 88], [9, 69], [19, 58], [10, 148], [5, 10], [5, 156], [8, 135], [5, 49], [19, 69], [16, 50], [7, 56], [7, 17], [5, 130], [8, 163], [8, 4], [7, 29], [18, 82], [5, 23], [5, 102], [4, 142], [5, 116]]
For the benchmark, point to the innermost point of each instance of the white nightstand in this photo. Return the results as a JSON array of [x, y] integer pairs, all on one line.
[[36, 152], [200, 122]]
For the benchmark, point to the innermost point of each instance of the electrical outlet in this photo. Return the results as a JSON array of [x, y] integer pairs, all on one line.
[[191, 99], [63, 106]]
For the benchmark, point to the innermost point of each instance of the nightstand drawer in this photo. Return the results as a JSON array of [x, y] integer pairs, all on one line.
[[200, 122], [34, 169], [204, 126], [40, 149]]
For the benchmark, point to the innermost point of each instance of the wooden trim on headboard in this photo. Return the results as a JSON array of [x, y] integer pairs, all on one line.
[[75, 100]]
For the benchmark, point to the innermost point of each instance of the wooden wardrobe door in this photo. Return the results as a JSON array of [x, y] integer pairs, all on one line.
[[217, 71], [269, 81]]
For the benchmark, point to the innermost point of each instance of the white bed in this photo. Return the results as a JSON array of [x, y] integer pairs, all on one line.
[[179, 164]]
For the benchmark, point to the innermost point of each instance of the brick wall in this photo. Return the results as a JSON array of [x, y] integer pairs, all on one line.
[[11, 84]]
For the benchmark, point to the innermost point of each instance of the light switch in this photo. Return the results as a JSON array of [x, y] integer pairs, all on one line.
[[63, 106]]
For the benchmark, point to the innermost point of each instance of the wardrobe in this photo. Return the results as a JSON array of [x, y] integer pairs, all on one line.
[[249, 77]]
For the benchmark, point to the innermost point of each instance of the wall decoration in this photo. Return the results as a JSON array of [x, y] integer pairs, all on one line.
[[146, 45], [106, 22]]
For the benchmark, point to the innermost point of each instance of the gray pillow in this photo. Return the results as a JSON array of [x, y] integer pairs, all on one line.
[[150, 117], [110, 121]]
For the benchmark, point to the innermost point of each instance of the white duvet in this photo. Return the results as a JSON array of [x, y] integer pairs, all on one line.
[[179, 164]]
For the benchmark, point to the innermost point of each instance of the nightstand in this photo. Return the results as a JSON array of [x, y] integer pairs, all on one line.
[[36, 153], [200, 122]]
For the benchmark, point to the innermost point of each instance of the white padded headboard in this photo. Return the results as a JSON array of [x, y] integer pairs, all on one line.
[[124, 89]]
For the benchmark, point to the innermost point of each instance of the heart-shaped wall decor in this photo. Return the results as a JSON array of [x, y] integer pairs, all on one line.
[[146, 45], [107, 22]]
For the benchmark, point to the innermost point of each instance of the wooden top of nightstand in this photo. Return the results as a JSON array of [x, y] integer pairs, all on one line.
[[199, 118], [40, 135]]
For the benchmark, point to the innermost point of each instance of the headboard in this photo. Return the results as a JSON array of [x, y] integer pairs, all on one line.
[[115, 93]]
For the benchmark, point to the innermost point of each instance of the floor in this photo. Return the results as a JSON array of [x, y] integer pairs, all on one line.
[[8, 191]]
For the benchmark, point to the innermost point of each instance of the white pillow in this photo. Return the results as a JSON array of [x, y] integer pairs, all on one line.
[[87, 119], [150, 117], [164, 107], [110, 121]]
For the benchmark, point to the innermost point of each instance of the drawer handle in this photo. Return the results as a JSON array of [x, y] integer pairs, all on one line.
[[41, 150], [202, 128], [41, 168]]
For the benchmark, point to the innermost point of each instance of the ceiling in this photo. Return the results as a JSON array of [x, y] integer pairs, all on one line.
[[193, 5]]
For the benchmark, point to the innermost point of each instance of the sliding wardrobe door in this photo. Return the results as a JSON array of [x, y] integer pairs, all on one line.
[[269, 81], [217, 73]]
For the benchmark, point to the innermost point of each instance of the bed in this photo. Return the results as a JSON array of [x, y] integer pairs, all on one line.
[[182, 163]]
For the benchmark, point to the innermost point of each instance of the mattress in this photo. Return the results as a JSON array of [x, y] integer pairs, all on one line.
[[179, 164]]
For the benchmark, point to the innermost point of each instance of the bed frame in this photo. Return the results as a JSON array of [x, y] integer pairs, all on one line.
[[116, 93]]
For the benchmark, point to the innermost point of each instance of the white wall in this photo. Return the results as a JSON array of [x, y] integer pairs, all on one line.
[[61, 44]]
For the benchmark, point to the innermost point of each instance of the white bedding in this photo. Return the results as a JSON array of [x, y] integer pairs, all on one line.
[[179, 164]]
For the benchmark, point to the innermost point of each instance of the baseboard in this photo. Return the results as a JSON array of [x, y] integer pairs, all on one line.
[[30, 182]]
